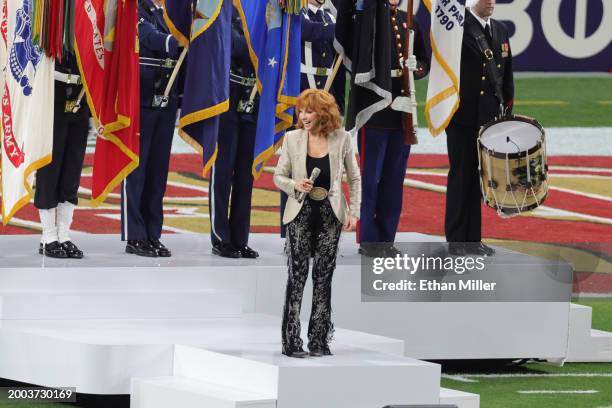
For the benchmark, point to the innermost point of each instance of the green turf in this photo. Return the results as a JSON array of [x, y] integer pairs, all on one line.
[[580, 99], [502, 392], [4, 404], [602, 312]]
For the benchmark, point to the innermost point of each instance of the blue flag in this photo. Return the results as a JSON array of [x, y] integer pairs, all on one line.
[[205, 27], [273, 37]]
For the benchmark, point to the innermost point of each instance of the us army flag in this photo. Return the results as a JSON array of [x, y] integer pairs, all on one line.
[[27, 106], [447, 17]]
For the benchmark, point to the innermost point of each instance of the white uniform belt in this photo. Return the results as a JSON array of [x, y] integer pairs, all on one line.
[[305, 69], [396, 73], [157, 62], [238, 79], [70, 79]]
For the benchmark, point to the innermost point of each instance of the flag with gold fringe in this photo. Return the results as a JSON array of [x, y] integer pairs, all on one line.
[[27, 105], [106, 45], [205, 27], [273, 33], [443, 86]]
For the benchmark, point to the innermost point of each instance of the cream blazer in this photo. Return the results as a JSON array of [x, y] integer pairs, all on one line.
[[291, 167]]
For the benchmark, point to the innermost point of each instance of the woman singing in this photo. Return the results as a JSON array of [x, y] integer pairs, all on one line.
[[315, 214]]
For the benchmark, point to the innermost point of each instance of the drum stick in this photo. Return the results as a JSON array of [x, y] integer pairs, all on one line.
[[330, 79]]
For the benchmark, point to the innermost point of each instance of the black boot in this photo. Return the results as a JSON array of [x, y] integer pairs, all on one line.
[[294, 352]]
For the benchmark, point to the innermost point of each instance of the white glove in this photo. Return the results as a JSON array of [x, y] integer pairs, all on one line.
[[403, 104], [411, 63]]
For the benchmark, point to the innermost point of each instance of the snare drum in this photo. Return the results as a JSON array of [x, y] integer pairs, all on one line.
[[512, 164]]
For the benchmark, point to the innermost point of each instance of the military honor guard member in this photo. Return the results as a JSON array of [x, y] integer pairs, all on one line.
[[143, 190], [486, 89], [57, 184], [318, 53], [318, 58], [231, 178], [383, 150]]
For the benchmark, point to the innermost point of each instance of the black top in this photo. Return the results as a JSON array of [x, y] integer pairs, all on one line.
[[323, 164], [478, 104]]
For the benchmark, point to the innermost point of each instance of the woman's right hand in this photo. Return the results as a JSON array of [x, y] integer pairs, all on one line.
[[304, 186]]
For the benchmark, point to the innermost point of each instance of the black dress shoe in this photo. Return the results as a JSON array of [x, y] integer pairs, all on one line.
[[248, 252], [225, 250], [457, 248], [392, 252], [478, 248], [72, 250], [160, 248], [140, 247], [52, 250], [296, 353], [372, 250]]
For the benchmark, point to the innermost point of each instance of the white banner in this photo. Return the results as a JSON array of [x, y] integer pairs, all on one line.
[[447, 17], [27, 106]]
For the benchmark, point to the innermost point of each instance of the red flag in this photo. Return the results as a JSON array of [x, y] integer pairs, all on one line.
[[107, 51]]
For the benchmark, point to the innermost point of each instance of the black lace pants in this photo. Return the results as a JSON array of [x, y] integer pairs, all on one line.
[[315, 233]]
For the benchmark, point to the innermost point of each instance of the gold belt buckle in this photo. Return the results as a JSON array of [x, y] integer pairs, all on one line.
[[489, 54], [69, 106], [321, 71], [318, 194]]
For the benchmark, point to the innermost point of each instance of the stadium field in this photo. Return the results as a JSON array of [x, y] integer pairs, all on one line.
[[536, 384], [556, 101]]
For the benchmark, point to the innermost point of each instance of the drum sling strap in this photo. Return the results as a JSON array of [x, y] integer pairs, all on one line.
[[495, 78]]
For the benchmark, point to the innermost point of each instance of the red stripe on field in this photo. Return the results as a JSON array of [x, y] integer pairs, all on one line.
[[579, 172], [587, 282]]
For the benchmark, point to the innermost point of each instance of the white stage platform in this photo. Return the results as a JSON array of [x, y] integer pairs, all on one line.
[[194, 283], [199, 327]]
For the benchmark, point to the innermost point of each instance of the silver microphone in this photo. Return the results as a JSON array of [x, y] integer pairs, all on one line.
[[313, 176]]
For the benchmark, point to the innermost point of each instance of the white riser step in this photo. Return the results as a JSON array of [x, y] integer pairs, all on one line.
[[460, 399], [164, 392], [586, 344], [352, 377], [125, 305]]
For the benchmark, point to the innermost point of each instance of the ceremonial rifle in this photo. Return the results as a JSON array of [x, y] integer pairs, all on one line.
[[409, 119]]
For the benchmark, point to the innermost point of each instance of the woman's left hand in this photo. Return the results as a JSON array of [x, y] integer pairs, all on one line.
[[350, 224]]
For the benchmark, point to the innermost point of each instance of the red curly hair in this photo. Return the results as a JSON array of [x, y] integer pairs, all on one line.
[[324, 105]]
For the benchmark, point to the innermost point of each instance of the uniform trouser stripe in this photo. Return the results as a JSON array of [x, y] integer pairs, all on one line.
[[211, 203], [125, 218]]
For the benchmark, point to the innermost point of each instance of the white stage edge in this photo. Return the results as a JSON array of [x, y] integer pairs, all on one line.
[[194, 283]]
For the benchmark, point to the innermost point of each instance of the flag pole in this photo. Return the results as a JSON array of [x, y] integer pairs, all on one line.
[[330, 78], [175, 72]]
